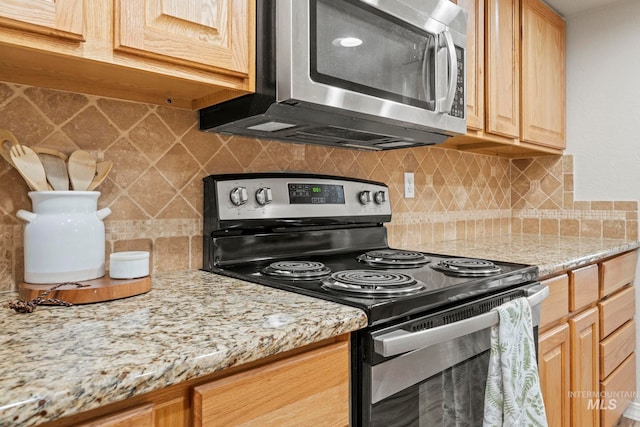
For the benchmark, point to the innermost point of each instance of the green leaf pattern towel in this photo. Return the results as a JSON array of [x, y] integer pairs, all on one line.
[[512, 394]]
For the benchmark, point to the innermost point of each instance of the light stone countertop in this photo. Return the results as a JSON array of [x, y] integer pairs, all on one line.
[[552, 254], [58, 361]]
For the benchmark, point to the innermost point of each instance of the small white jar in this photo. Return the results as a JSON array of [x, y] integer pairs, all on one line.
[[129, 265]]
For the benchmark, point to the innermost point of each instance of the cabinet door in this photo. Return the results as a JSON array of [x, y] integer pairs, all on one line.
[[553, 365], [503, 68], [543, 75], [195, 33], [475, 62], [305, 390], [61, 19], [585, 367], [136, 417]]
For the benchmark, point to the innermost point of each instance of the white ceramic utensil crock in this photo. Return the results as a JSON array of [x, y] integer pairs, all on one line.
[[64, 237]]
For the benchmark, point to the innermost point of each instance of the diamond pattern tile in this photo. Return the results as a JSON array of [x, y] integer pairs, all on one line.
[[91, 130], [123, 114], [177, 166], [160, 157]]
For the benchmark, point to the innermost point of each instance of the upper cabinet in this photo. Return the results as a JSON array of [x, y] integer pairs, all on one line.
[[63, 19], [167, 52], [543, 75], [200, 33], [503, 74], [515, 79]]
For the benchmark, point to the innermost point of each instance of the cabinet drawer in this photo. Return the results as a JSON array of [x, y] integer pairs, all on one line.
[[616, 392], [617, 272], [307, 389], [616, 309], [557, 304], [583, 287], [617, 347]]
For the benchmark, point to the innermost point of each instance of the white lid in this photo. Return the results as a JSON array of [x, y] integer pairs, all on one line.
[[129, 255]]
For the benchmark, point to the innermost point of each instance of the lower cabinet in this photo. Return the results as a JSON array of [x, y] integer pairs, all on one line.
[[553, 365], [136, 417], [585, 367], [307, 390], [586, 344], [307, 386]]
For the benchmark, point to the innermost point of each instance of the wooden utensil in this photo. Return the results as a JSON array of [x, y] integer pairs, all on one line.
[[50, 151], [102, 170], [26, 161], [82, 170], [7, 140], [55, 169]]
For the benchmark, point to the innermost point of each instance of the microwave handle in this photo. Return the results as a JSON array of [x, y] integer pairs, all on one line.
[[401, 341], [445, 104]]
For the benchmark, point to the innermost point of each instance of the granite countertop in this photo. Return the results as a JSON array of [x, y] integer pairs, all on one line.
[[58, 361], [552, 254]]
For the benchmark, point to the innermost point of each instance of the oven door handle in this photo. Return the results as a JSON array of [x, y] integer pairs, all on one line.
[[401, 341]]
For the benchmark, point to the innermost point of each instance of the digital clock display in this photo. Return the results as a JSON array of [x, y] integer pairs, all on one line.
[[316, 194]]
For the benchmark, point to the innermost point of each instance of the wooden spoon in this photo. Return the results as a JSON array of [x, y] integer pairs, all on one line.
[[51, 152], [82, 170], [102, 170], [7, 140], [56, 171], [26, 161]]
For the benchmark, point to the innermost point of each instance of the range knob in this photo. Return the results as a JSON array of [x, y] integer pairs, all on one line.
[[380, 197], [239, 196], [264, 196], [365, 197]]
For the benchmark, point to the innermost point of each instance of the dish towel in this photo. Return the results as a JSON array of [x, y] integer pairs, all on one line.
[[512, 394]]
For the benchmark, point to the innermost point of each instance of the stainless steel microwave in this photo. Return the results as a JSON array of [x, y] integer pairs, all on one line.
[[368, 74]]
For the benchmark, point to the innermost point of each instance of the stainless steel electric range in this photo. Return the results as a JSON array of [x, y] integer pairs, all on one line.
[[429, 315]]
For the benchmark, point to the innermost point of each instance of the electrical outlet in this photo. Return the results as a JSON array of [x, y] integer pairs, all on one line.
[[408, 185]]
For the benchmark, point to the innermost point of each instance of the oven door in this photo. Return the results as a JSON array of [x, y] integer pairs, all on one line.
[[435, 376], [390, 59]]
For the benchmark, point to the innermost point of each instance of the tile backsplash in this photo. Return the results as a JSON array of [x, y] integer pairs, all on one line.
[[160, 157]]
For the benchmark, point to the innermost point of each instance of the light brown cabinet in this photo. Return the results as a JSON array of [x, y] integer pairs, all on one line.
[[515, 79], [305, 386], [553, 366], [584, 367], [587, 343], [182, 54], [543, 76], [136, 417], [502, 67], [311, 389], [61, 19]]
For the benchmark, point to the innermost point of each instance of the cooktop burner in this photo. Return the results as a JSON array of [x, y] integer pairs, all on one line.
[[297, 270], [373, 283], [393, 258], [467, 267]]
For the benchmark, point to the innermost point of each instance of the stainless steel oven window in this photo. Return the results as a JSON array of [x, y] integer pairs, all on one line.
[[432, 370], [451, 390]]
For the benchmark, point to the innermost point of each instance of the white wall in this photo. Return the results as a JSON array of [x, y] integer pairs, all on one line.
[[603, 112], [603, 101]]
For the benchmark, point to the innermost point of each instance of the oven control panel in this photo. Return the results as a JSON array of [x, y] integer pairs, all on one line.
[[298, 196]]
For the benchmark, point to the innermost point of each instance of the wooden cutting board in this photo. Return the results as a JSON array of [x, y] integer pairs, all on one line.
[[97, 290]]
